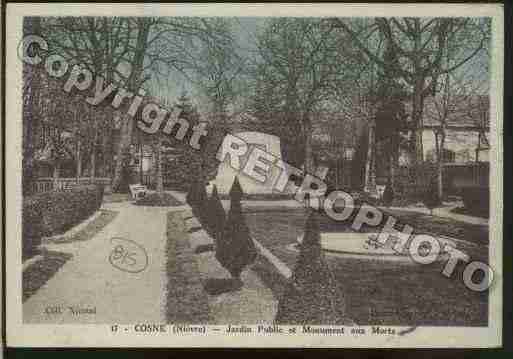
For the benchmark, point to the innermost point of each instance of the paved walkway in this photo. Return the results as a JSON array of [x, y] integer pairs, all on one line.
[[444, 212], [88, 280], [285, 203]]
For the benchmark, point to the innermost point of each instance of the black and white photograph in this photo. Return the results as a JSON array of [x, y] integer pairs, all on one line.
[[242, 175]]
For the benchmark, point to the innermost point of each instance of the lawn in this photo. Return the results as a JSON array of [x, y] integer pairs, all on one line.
[[386, 293], [186, 300]]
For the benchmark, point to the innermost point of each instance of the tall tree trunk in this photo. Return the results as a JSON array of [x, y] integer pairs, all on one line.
[[141, 157], [370, 175], [78, 152], [79, 160], [122, 151], [417, 110], [309, 160], [393, 168], [56, 174], [440, 161], [160, 179], [133, 84], [31, 77], [93, 149], [93, 162]]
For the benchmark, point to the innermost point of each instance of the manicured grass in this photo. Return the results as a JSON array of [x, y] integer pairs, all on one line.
[[37, 274], [158, 200], [186, 300], [387, 293]]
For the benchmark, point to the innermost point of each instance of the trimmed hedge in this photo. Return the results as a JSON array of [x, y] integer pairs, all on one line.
[[54, 212]]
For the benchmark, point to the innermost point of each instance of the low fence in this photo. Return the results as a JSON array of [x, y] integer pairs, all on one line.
[[455, 176], [65, 184]]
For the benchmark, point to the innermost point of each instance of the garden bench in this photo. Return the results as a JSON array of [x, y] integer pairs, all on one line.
[[137, 190]]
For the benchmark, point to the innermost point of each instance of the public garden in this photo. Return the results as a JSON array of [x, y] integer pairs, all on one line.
[[129, 217]]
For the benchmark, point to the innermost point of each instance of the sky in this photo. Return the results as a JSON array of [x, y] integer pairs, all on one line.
[[245, 31]]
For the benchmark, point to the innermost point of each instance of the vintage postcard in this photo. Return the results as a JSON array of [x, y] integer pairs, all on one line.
[[254, 175]]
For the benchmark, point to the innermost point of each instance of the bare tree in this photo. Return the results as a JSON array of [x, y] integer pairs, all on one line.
[[461, 102], [421, 44], [31, 98], [128, 51], [298, 68]]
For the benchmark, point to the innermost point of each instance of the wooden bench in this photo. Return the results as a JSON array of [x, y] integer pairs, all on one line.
[[137, 190]]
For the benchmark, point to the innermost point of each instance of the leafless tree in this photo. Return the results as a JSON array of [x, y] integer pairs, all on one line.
[[299, 67], [421, 45], [463, 102]]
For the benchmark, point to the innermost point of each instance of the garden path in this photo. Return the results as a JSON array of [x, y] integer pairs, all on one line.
[[89, 280]]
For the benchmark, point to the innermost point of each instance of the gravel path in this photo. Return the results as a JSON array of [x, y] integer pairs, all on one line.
[[90, 281]]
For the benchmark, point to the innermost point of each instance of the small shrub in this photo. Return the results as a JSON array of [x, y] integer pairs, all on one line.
[[235, 249], [313, 295]]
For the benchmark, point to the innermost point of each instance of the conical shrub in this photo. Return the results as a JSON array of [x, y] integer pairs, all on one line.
[[313, 295], [236, 192], [235, 249], [215, 216]]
